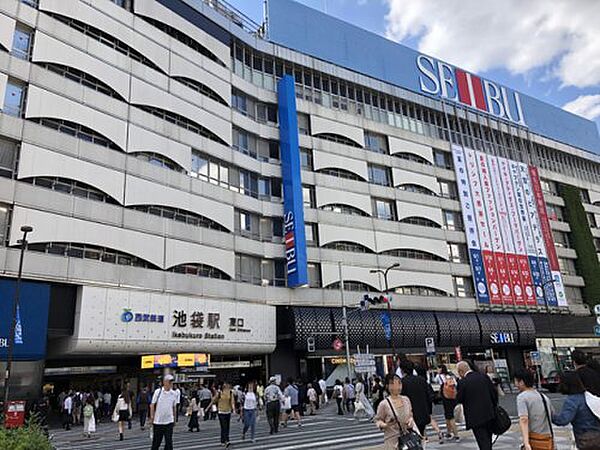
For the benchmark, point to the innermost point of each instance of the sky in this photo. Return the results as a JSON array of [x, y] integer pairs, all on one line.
[[547, 49]]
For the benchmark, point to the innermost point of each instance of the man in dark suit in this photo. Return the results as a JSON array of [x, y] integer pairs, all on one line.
[[479, 398], [589, 376], [417, 390]]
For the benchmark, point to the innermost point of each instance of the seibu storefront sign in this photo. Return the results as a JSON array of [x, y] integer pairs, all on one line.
[[127, 321], [443, 80]]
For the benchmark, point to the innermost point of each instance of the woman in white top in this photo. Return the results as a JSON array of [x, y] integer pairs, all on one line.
[[122, 411], [311, 393], [249, 404], [362, 398]]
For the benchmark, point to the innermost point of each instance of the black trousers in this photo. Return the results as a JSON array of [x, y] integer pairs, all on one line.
[[203, 405], [160, 431], [224, 422], [273, 411], [483, 436], [338, 400]]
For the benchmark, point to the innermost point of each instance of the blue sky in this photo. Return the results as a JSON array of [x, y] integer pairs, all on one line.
[[550, 50]]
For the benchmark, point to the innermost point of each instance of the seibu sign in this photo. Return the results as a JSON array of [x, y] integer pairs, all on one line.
[[443, 80]]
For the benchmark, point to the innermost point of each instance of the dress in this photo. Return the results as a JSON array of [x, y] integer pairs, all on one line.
[[385, 414], [361, 397]]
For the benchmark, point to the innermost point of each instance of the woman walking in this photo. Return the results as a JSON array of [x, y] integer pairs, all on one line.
[[362, 398], [225, 404], [394, 414], [192, 410], [249, 405], [89, 421], [575, 411], [338, 395], [448, 391], [122, 411]]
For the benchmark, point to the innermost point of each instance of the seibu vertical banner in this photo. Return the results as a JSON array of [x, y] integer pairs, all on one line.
[[481, 220], [470, 223], [495, 233], [516, 232], [293, 203], [536, 186]]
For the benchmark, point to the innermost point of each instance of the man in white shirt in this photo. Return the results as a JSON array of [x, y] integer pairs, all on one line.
[[323, 386], [67, 407], [162, 414], [178, 392]]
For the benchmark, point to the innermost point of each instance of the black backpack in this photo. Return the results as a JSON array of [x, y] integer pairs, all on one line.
[[501, 422]]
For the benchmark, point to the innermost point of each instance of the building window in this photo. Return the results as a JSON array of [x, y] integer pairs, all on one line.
[[464, 287], [422, 291], [384, 209], [14, 101], [82, 78], [340, 208], [22, 40], [201, 88], [259, 111], [443, 159], [78, 131], [8, 158], [412, 254], [308, 196], [341, 173], [416, 188], [376, 142], [379, 175], [549, 187], [181, 215], [350, 285], [200, 270], [458, 253], [314, 275], [311, 231], [591, 218], [561, 239], [585, 195], [345, 246], [412, 157], [573, 294], [448, 189], [159, 161], [555, 212], [420, 221], [262, 272], [597, 244], [567, 266], [453, 220], [4, 220], [303, 124], [306, 159], [72, 187], [32, 3]]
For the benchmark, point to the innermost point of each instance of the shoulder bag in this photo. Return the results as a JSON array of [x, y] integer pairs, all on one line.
[[540, 441], [408, 439]]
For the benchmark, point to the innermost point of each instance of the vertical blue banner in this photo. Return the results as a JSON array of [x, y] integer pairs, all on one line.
[[293, 203], [547, 277], [536, 277], [479, 279]]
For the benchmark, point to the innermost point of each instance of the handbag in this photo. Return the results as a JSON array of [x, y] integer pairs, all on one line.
[[287, 402], [115, 415], [540, 441], [408, 439], [501, 423]]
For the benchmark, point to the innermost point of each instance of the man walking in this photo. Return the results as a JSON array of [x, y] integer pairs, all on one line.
[[417, 390], [205, 396], [162, 414], [273, 396], [589, 377], [292, 392], [479, 398], [535, 410], [67, 408], [323, 387], [143, 400], [349, 396]]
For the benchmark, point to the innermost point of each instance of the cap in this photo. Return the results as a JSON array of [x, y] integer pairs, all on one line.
[[168, 377], [272, 380]]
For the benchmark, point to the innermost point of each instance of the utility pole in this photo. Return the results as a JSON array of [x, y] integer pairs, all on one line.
[[551, 321], [345, 322], [389, 304], [13, 323]]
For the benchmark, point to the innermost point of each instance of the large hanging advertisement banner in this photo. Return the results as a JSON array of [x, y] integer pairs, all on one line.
[[536, 186], [495, 233], [470, 224], [516, 233], [534, 266], [505, 231], [487, 253]]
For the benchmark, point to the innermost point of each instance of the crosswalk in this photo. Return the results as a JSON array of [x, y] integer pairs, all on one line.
[[323, 431]]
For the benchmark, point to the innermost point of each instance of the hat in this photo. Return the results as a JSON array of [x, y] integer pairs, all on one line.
[[168, 377], [273, 380]]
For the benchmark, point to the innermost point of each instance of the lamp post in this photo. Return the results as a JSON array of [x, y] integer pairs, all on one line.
[[13, 324], [345, 322], [551, 320], [384, 272]]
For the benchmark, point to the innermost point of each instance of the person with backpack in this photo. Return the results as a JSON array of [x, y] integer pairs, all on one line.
[[89, 421], [162, 414], [292, 392], [448, 391], [349, 396], [338, 396], [273, 396], [534, 410], [77, 406], [143, 403]]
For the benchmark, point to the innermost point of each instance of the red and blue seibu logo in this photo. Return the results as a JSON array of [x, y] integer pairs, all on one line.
[[289, 229], [441, 79]]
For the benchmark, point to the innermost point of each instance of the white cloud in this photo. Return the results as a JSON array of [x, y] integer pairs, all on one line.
[[587, 106], [514, 34]]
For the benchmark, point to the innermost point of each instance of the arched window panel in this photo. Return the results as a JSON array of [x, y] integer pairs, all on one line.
[[202, 89], [412, 254], [337, 138], [352, 285], [344, 209], [180, 215], [341, 173], [200, 270], [91, 252], [416, 188], [159, 161], [422, 291], [72, 187], [412, 157], [346, 246], [420, 221], [182, 121], [82, 78], [76, 130]]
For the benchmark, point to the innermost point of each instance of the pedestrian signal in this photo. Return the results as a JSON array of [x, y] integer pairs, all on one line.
[[310, 344]]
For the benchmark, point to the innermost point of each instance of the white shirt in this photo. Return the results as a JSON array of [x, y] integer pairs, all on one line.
[[68, 405], [322, 385], [250, 400], [164, 402], [312, 394], [178, 392], [107, 398]]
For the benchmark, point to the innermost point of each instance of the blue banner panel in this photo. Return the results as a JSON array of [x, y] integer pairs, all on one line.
[[536, 277], [479, 279], [549, 290], [32, 320], [293, 202]]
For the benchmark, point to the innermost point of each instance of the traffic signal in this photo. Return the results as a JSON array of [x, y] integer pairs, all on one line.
[[310, 344], [376, 300]]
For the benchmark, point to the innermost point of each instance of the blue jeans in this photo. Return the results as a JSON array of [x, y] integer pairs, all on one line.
[[250, 421]]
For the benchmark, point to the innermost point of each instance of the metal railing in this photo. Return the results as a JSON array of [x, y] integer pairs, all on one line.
[[239, 18]]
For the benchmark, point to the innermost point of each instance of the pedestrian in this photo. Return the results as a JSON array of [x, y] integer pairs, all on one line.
[[338, 395], [589, 377], [273, 396], [534, 410], [361, 398], [349, 395], [225, 407], [249, 407], [106, 402], [205, 396], [178, 396], [292, 392], [162, 414], [377, 392], [394, 413], [89, 420], [313, 398], [67, 409], [323, 386], [122, 411], [77, 407], [479, 398], [260, 393], [575, 411], [193, 410], [143, 402], [448, 391]]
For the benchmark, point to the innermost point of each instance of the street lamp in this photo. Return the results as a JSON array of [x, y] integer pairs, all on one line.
[[389, 304], [13, 324], [551, 320]]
